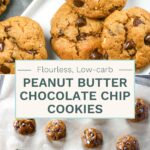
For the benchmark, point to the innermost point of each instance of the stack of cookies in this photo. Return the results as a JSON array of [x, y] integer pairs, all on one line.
[[100, 29]]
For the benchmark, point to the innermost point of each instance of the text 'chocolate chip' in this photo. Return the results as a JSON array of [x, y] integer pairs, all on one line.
[[78, 3]]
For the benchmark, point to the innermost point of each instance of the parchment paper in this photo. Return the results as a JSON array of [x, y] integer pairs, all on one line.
[[112, 129]]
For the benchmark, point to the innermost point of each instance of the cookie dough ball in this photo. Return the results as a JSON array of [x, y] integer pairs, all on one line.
[[25, 126], [95, 8], [127, 143], [141, 111], [126, 36], [55, 130], [3, 5], [92, 138], [75, 36], [20, 39]]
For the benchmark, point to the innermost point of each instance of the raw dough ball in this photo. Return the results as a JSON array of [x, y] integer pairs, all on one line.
[[141, 111], [55, 130], [25, 126], [127, 143], [92, 138]]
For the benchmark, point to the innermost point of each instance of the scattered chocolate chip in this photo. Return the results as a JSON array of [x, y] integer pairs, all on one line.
[[81, 37], [61, 33], [129, 45], [147, 39], [33, 52], [1, 46], [137, 22], [4, 69], [78, 3], [81, 22], [105, 56], [95, 55], [111, 33]]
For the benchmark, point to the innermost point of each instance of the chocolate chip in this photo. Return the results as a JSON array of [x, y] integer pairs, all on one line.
[[1, 46], [137, 22], [81, 22], [147, 39], [4, 69], [33, 52], [78, 3], [81, 37], [105, 56], [96, 55], [61, 33], [129, 45]]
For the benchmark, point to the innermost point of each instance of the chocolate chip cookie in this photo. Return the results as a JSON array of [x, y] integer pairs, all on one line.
[[127, 143], [75, 36], [92, 138], [20, 39], [25, 126], [55, 130], [126, 36], [3, 5], [141, 111], [96, 8]]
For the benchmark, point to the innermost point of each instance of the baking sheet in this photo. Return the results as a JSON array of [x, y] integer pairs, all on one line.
[[112, 129]]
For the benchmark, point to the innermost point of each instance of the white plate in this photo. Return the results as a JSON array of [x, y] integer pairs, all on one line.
[[42, 11]]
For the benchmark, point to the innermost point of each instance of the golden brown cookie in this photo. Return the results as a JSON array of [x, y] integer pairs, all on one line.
[[126, 36], [75, 36], [20, 39], [55, 130], [92, 138], [25, 126], [96, 8], [127, 143], [3, 5]]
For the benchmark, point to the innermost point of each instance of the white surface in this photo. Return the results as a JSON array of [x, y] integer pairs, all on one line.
[[112, 129], [43, 10]]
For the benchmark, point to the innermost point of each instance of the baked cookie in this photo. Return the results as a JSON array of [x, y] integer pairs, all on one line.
[[127, 143], [92, 138], [55, 130], [25, 126], [20, 39], [126, 36], [3, 5], [141, 111], [75, 36], [96, 8]]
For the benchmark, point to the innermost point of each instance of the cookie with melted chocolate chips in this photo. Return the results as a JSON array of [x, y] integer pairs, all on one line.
[[126, 36], [75, 36], [96, 8], [20, 39]]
